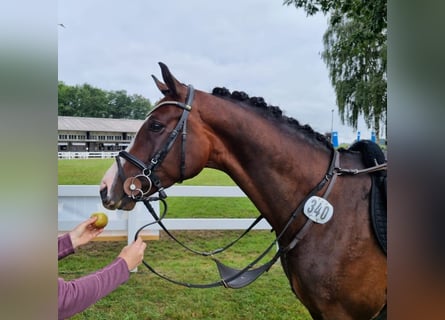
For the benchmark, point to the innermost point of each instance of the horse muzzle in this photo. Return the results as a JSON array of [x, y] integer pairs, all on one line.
[[123, 203]]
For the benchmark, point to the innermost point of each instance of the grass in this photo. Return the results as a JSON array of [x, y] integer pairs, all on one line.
[[82, 171], [145, 296], [91, 171]]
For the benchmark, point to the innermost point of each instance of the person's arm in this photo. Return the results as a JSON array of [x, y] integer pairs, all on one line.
[[76, 295], [80, 235], [65, 246]]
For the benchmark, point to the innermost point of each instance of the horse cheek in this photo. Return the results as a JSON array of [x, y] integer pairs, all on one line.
[[195, 161]]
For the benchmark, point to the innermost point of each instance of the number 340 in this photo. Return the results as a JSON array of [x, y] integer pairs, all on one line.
[[318, 209]]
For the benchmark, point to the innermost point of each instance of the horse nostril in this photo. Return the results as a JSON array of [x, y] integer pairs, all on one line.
[[103, 193]]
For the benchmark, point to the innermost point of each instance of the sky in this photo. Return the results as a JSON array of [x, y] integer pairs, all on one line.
[[258, 46]]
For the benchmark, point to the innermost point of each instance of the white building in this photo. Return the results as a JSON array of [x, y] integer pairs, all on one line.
[[95, 134]]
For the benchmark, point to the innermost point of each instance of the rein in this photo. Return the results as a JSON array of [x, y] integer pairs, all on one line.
[[234, 278], [230, 278]]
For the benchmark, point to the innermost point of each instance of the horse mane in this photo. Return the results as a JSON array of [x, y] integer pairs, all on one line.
[[271, 112]]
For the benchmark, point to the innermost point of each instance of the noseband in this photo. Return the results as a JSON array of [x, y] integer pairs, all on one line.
[[139, 186]]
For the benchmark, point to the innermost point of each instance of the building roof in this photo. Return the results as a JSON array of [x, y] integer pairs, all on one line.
[[98, 124]]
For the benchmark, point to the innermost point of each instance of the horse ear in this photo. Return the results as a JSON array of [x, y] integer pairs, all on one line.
[[170, 80], [161, 86]]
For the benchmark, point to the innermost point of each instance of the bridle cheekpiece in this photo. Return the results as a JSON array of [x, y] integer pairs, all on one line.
[[139, 186]]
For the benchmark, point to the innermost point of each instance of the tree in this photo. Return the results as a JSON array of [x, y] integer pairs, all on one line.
[[139, 107], [88, 101], [67, 98], [119, 104], [91, 102], [355, 54]]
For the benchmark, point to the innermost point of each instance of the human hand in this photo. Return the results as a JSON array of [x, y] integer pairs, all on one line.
[[133, 253], [84, 232]]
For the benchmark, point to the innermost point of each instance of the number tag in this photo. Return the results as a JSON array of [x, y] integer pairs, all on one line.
[[318, 209]]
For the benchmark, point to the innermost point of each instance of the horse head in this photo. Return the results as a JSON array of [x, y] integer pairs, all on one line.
[[169, 147]]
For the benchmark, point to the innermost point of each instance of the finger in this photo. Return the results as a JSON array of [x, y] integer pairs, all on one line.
[[84, 224], [90, 221], [96, 231], [143, 245]]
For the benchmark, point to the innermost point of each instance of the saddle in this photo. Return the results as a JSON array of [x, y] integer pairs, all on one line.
[[372, 155]]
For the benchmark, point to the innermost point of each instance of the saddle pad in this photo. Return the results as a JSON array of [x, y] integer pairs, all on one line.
[[372, 155], [378, 209]]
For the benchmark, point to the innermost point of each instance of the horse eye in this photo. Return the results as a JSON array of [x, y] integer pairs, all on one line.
[[156, 126]]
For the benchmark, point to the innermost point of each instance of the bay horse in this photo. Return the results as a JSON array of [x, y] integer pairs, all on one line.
[[336, 268]]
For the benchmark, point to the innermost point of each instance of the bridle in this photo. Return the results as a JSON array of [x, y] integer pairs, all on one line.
[[135, 186]]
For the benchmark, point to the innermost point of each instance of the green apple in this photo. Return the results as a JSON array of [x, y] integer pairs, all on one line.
[[102, 219]]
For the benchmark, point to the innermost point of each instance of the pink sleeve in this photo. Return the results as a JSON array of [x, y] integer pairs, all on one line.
[[77, 295], [65, 246]]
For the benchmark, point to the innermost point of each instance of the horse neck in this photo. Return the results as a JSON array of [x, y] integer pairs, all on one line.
[[275, 168]]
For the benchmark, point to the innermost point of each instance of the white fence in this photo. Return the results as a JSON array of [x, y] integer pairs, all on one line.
[[76, 203], [86, 155]]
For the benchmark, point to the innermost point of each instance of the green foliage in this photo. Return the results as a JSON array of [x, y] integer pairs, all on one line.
[[355, 45], [88, 101], [373, 11], [312, 6], [356, 58]]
